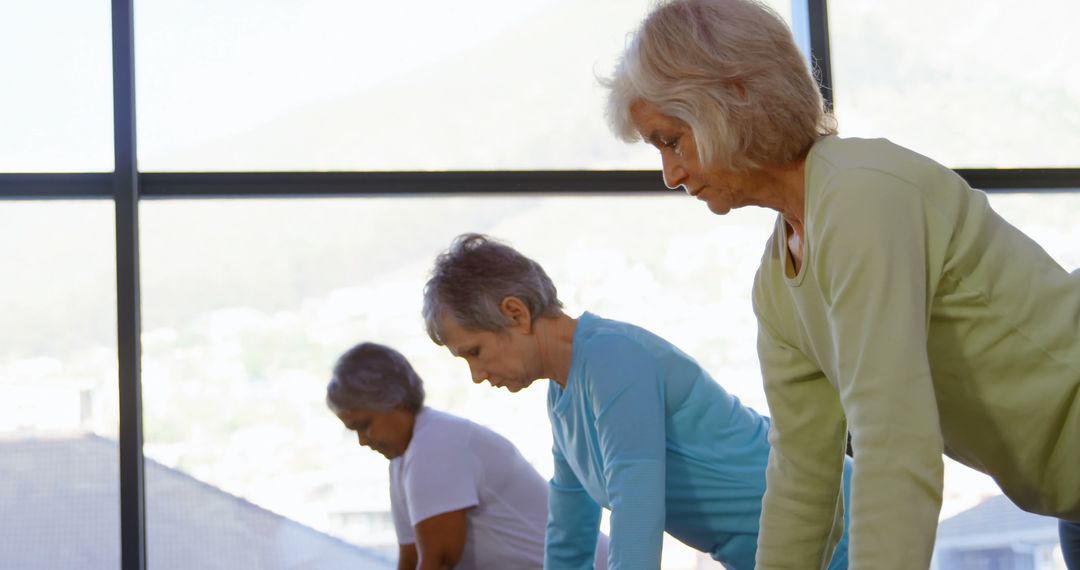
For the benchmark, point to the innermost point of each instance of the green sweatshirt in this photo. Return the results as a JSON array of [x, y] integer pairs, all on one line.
[[924, 323]]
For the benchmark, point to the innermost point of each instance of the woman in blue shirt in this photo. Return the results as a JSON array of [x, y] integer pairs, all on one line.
[[638, 426]]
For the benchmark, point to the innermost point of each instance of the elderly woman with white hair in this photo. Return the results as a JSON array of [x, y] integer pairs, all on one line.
[[638, 426], [461, 495], [892, 301]]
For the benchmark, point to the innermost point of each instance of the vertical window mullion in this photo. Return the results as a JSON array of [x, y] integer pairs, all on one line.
[[817, 22], [126, 197]]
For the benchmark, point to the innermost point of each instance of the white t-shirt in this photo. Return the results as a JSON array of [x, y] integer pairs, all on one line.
[[453, 464]]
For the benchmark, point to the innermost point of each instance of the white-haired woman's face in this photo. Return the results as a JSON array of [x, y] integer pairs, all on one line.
[[721, 190], [506, 359]]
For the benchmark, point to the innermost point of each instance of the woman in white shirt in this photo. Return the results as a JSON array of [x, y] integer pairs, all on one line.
[[461, 495]]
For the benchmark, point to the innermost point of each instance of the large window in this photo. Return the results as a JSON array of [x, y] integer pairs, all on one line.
[[245, 303]]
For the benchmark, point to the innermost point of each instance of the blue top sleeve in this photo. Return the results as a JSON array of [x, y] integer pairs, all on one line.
[[573, 521], [622, 384]]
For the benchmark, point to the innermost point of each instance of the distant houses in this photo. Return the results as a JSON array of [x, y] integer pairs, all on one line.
[[59, 508], [997, 535]]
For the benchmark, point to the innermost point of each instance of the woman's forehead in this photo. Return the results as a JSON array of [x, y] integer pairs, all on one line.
[[649, 120], [356, 415], [458, 338]]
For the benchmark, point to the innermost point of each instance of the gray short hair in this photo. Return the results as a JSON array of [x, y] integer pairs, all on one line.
[[730, 70], [471, 279], [374, 377]]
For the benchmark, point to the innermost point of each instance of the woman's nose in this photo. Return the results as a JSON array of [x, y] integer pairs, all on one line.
[[674, 173]]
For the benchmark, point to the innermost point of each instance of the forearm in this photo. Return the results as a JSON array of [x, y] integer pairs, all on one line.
[[802, 511], [888, 396], [799, 517], [573, 520], [572, 529], [895, 523], [435, 563], [637, 515], [439, 556], [407, 556], [897, 480]]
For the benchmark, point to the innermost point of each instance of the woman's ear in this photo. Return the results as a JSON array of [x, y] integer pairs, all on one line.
[[515, 310]]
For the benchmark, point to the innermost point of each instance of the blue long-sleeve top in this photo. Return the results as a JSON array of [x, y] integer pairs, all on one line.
[[643, 430]]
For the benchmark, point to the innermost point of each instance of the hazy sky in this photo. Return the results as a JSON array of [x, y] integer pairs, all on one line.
[[985, 88]]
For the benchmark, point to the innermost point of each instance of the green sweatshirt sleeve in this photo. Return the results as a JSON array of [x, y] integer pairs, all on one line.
[[870, 264], [802, 512]]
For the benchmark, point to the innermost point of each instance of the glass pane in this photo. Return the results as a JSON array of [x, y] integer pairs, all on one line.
[[346, 85], [989, 86], [56, 103], [1048, 218], [248, 303], [59, 460]]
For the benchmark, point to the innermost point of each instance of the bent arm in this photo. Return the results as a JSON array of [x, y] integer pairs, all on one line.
[[441, 540]]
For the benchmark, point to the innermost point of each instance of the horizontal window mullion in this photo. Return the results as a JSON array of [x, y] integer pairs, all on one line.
[[65, 186], [311, 184], [307, 184], [1022, 179]]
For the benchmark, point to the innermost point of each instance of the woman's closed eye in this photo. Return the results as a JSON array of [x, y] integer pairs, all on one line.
[[672, 144]]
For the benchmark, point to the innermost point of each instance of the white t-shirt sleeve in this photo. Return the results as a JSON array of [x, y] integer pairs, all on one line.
[[399, 507], [441, 477]]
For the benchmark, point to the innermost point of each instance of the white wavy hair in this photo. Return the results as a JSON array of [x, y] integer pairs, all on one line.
[[730, 70]]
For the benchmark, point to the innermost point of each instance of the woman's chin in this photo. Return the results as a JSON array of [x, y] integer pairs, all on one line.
[[718, 208], [515, 387]]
